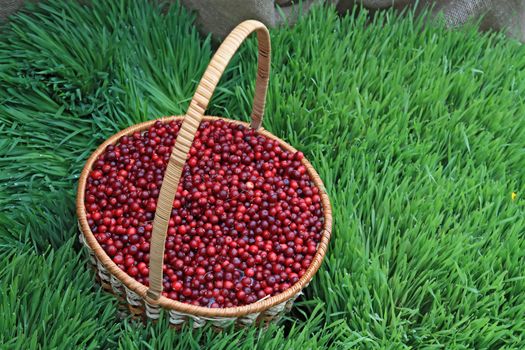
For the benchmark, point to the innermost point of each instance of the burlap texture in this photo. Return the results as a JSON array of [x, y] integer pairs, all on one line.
[[8, 7], [220, 16], [501, 15]]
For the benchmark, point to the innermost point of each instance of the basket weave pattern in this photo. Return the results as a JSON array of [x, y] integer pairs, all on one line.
[[147, 301]]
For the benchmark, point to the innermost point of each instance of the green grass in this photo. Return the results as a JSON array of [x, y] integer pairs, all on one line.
[[418, 133]]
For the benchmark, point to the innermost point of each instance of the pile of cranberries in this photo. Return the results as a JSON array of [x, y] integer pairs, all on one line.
[[245, 222]]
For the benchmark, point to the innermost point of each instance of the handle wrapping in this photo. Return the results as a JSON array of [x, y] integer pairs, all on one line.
[[189, 127]]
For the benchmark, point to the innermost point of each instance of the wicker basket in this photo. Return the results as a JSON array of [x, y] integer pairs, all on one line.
[[144, 301]]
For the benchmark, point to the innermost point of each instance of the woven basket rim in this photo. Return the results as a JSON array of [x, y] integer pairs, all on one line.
[[178, 306]]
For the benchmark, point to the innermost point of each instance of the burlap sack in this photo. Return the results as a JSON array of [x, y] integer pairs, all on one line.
[[220, 16], [502, 15], [8, 7]]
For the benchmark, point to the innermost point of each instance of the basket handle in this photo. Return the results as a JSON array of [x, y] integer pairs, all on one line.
[[189, 127]]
